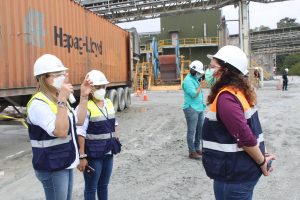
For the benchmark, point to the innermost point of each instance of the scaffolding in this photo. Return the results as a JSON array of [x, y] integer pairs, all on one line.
[[118, 11]]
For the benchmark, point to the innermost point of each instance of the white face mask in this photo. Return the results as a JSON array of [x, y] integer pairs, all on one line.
[[58, 81], [100, 94]]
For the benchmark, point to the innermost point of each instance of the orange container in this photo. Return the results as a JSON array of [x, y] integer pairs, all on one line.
[[80, 38]]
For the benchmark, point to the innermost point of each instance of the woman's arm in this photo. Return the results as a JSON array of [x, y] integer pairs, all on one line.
[[232, 116], [85, 89], [62, 120], [82, 110], [81, 132], [83, 161]]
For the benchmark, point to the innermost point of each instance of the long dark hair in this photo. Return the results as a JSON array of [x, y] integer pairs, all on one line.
[[231, 77]]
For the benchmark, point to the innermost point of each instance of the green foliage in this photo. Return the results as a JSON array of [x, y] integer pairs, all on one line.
[[261, 28], [292, 59], [295, 70], [292, 62], [287, 22], [279, 62]]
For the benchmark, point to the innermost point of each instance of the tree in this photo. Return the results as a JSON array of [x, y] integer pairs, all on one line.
[[292, 62], [287, 22], [260, 28]]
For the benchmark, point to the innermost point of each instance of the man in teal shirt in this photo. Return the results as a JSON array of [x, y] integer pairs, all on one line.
[[193, 108]]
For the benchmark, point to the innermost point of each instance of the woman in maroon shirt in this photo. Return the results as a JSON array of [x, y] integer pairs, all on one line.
[[234, 152]]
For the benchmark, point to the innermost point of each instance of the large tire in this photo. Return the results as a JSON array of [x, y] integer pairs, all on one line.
[[127, 97], [113, 96], [121, 99]]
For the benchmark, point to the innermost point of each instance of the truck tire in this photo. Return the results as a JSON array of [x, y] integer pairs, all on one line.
[[121, 99], [113, 96], [127, 97]]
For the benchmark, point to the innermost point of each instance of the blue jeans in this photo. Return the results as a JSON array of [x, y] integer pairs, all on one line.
[[57, 185], [100, 179], [194, 120], [234, 191]]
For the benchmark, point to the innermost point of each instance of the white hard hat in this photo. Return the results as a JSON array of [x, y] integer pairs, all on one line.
[[234, 56], [48, 63], [256, 67], [97, 77], [197, 66], [286, 69]]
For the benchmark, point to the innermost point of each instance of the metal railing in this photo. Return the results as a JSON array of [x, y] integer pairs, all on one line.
[[184, 42]]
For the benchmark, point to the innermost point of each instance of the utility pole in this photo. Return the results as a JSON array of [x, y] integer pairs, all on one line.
[[244, 28]]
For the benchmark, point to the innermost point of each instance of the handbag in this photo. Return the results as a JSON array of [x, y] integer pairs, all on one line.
[[115, 143]]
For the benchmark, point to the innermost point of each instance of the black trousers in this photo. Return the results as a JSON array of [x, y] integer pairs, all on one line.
[[284, 85]]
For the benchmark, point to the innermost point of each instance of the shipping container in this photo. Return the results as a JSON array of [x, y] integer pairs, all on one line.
[[80, 38]]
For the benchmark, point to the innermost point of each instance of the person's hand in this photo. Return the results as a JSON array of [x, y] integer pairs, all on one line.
[[86, 86], [82, 164], [65, 90], [264, 169]]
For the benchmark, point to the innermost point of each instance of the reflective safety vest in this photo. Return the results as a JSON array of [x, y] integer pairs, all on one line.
[[100, 130], [50, 153], [222, 159]]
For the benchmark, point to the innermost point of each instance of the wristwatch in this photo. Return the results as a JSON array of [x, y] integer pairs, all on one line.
[[82, 156]]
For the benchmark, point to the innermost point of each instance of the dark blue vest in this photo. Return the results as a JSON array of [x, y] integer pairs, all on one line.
[[222, 159], [50, 153], [100, 130]]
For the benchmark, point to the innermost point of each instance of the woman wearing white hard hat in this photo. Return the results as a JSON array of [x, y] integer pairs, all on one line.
[[234, 153], [97, 140], [193, 108], [51, 126]]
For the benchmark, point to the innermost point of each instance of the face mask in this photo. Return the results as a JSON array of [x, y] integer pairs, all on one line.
[[100, 94], [209, 77], [198, 75], [58, 81]]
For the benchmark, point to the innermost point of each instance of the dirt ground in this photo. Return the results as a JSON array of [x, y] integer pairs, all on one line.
[[154, 161]]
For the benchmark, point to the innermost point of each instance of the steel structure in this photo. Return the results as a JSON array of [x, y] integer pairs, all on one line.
[[118, 11]]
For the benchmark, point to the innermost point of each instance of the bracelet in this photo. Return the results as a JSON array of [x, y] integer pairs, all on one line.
[[82, 156], [61, 104], [261, 164]]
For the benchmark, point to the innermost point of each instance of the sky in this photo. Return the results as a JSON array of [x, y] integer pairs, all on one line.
[[259, 13]]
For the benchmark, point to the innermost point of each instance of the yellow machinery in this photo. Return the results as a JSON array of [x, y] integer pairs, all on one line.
[[142, 76], [185, 69]]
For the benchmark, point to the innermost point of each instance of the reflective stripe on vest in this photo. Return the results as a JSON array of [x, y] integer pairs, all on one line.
[[50, 153], [54, 140], [99, 137], [222, 159], [98, 123], [227, 147], [100, 130], [248, 114], [50, 143]]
